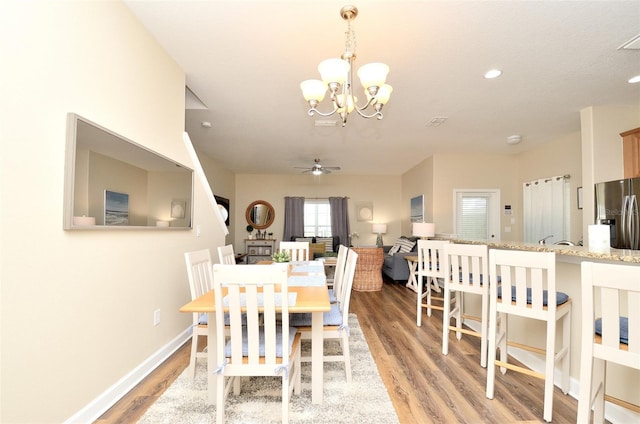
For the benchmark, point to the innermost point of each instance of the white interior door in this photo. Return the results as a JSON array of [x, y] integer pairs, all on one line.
[[477, 214]]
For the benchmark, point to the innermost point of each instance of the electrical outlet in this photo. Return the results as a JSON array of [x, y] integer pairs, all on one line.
[[156, 317]]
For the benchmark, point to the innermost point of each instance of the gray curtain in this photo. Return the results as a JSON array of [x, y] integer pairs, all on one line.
[[293, 217], [340, 219]]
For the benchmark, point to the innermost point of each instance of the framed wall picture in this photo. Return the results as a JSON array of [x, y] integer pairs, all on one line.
[[224, 203], [417, 209], [364, 211], [116, 208]]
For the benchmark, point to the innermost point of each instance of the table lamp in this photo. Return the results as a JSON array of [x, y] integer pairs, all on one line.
[[379, 229], [424, 230]]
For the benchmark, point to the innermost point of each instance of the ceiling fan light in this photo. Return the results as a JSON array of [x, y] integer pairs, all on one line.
[[334, 70], [373, 74], [316, 172], [313, 90]]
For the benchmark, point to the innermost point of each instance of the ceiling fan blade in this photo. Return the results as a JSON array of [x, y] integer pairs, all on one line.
[[331, 168]]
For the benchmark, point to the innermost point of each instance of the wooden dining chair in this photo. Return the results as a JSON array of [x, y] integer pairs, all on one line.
[[262, 344], [226, 255], [610, 332], [466, 271], [335, 322], [298, 250], [200, 282], [528, 289], [429, 254]]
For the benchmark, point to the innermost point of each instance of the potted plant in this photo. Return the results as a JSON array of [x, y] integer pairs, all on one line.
[[250, 230], [281, 257]]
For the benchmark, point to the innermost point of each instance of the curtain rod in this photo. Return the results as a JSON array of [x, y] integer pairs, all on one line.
[[546, 180], [324, 198]]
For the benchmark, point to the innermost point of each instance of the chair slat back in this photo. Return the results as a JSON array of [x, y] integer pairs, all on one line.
[[430, 253], [226, 255], [298, 250], [347, 283], [259, 291], [338, 275], [521, 270], [609, 292], [466, 267], [199, 272]]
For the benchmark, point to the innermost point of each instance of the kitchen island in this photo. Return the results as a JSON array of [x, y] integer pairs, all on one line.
[[622, 383]]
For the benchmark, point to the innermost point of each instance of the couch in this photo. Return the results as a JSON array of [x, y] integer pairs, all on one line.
[[395, 266], [315, 248]]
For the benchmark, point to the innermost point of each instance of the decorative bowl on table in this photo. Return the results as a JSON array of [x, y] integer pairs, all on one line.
[[281, 257]]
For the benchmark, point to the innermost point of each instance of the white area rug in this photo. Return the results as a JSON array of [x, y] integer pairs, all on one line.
[[364, 400]]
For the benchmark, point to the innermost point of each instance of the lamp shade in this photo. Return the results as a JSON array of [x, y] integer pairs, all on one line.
[[373, 74], [313, 90], [384, 92], [334, 70], [84, 221], [379, 228], [423, 229]]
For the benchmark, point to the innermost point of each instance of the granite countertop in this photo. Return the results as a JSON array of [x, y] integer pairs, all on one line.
[[622, 255]]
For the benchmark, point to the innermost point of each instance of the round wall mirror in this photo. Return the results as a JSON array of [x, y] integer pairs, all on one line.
[[260, 214]]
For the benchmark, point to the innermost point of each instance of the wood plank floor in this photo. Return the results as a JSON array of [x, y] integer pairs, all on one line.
[[424, 385]]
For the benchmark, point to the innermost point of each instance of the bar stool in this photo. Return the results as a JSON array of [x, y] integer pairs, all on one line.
[[528, 280], [465, 266], [613, 337], [430, 253]]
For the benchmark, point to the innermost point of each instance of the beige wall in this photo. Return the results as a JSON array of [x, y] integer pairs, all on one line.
[[382, 191], [223, 183], [76, 307]]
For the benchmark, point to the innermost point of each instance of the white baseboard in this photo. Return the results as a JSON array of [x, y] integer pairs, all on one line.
[[113, 394], [613, 412]]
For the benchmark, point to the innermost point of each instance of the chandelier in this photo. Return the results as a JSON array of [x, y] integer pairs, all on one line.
[[336, 75]]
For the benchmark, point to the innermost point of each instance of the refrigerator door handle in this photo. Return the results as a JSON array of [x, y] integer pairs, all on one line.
[[625, 221], [634, 228]]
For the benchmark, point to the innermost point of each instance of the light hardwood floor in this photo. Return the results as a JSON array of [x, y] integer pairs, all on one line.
[[424, 385]]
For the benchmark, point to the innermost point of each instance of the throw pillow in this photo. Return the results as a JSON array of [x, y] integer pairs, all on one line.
[[405, 245], [328, 242], [307, 239], [402, 245]]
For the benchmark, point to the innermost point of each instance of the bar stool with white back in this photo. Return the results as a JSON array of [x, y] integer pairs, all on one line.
[[430, 253], [610, 332], [528, 281], [466, 269]]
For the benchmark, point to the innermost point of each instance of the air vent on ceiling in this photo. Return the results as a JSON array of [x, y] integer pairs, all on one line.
[[437, 121], [633, 44], [325, 123]]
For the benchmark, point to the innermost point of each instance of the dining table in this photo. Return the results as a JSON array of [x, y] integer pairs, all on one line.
[[305, 278]]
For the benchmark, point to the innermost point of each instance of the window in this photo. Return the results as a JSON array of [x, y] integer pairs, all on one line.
[[477, 214], [317, 218]]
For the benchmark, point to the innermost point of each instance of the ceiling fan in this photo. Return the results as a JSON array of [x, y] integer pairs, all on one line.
[[318, 169]]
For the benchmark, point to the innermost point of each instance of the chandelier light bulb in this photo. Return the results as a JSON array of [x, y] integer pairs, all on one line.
[[313, 90], [373, 74], [334, 70]]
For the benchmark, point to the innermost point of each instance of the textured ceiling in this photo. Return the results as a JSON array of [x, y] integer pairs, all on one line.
[[245, 59]]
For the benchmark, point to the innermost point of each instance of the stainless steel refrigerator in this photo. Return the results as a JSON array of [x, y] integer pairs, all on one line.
[[617, 206]]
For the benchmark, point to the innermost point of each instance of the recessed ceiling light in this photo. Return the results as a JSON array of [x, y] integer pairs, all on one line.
[[494, 73], [634, 79]]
